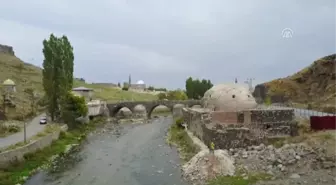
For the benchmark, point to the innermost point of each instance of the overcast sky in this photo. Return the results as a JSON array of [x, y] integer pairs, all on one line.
[[164, 42]]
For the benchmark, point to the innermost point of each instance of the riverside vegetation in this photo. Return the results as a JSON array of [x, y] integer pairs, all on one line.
[[18, 172]]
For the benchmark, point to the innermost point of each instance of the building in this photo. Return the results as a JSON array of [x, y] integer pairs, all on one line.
[[140, 85], [87, 93]]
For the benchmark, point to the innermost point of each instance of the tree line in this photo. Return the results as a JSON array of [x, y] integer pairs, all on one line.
[[196, 88], [57, 78]]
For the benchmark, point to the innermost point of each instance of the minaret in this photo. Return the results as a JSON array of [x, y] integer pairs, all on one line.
[[129, 80], [236, 81]]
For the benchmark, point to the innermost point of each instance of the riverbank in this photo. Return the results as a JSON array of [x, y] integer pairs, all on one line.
[[19, 172], [178, 137]]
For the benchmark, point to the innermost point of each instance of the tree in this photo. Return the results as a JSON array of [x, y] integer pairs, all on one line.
[[150, 88], [74, 107], [119, 84], [57, 72], [196, 88]]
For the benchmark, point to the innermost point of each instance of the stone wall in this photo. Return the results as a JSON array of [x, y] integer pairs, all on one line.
[[11, 156], [6, 49], [224, 137], [252, 127]]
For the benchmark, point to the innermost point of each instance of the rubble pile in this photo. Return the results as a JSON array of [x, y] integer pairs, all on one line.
[[206, 165]]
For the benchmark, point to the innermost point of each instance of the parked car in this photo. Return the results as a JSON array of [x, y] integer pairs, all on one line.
[[43, 120]]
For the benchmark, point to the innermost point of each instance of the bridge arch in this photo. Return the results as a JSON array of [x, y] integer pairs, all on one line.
[[151, 109], [120, 108]]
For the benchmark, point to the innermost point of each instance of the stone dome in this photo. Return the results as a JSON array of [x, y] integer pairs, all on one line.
[[9, 82], [229, 97]]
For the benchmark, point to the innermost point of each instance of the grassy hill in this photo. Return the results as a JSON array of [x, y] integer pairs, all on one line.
[[314, 85], [29, 76]]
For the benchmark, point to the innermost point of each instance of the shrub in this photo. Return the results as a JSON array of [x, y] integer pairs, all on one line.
[[73, 107], [179, 122], [13, 128], [125, 89]]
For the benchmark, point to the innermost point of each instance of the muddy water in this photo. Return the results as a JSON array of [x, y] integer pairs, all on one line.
[[128, 154]]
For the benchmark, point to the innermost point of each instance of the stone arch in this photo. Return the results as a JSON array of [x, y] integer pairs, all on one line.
[[139, 110], [150, 109], [116, 110]]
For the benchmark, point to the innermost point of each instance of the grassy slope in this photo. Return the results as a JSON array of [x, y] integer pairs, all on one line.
[[113, 94], [25, 76], [314, 84], [29, 76]]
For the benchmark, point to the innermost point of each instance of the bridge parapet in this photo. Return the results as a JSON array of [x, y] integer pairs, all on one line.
[[149, 105]]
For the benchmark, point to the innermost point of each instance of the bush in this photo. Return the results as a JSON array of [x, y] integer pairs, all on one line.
[[13, 128], [73, 107], [179, 122], [125, 89]]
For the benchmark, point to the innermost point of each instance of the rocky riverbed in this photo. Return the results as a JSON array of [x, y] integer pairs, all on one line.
[[120, 154]]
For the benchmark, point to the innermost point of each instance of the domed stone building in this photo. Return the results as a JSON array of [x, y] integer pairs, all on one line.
[[229, 97]]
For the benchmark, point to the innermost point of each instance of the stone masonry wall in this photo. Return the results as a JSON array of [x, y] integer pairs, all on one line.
[[6, 49], [17, 154], [200, 124], [252, 127]]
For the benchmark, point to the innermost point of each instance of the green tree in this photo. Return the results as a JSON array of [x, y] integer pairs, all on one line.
[[74, 107], [196, 88], [57, 72]]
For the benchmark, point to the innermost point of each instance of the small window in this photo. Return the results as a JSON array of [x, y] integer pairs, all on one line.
[[233, 96], [248, 96]]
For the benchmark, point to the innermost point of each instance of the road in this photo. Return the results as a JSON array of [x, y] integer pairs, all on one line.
[[128, 154], [33, 127]]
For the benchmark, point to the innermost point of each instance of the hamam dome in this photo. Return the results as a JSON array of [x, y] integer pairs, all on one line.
[[229, 97]]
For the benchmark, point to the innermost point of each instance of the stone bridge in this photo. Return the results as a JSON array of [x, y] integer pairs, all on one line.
[[114, 108]]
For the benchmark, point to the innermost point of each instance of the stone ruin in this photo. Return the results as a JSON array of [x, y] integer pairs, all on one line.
[[244, 125]]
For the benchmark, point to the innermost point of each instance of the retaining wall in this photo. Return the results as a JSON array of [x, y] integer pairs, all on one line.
[[11, 156]]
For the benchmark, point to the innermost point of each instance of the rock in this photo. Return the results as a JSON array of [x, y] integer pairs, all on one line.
[[295, 176], [328, 164], [297, 157]]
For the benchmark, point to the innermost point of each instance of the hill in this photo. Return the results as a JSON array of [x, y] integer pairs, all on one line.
[[29, 76], [312, 87]]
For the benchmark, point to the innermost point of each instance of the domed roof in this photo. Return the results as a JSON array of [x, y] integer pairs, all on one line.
[[229, 97], [140, 82], [8, 82]]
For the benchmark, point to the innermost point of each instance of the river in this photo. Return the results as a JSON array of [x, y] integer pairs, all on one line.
[[126, 154]]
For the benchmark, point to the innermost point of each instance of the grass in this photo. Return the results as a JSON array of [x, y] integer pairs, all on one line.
[[25, 76], [19, 171], [29, 76], [179, 137], [47, 130], [114, 94]]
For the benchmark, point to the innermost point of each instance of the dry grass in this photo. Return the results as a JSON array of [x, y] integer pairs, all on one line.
[[25, 76]]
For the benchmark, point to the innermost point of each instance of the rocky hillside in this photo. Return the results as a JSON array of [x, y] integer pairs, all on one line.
[[312, 87]]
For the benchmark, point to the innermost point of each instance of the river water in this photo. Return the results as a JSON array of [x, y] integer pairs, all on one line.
[[126, 154]]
